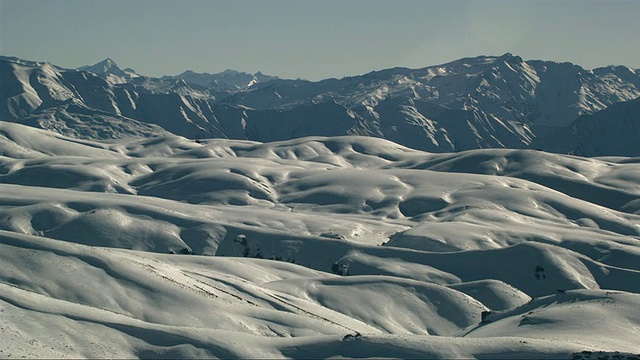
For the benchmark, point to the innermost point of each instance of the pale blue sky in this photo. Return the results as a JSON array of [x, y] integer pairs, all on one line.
[[315, 39]]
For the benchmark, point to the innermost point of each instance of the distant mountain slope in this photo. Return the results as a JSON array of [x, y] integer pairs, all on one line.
[[427, 126], [538, 92], [228, 80], [482, 102], [613, 131]]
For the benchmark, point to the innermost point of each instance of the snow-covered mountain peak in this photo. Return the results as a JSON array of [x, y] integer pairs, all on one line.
[[101, 68], [479, 62], [509, 57], [16, 60], [109, 70], [230, 73], [227, 80], [107, 63], [619, 74]]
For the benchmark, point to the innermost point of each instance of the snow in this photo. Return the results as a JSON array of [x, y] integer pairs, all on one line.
[[111, 72], [297, 244], [482, 102], [228, 80]]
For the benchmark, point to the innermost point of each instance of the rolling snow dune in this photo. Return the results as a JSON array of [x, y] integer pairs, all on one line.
[[314, 247]]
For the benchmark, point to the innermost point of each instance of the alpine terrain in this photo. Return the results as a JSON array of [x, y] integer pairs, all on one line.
[[484, 208], [483, 102]]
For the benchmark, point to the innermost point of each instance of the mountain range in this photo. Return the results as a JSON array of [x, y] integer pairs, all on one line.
[[271, 237], [482, 102]]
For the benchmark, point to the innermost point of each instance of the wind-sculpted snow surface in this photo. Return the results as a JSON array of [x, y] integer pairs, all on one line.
[[312, 248]]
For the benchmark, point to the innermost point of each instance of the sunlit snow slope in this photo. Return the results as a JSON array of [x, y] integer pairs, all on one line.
[[314, 247]]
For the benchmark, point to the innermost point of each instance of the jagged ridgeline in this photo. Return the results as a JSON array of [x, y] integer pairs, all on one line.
[[483, 102]]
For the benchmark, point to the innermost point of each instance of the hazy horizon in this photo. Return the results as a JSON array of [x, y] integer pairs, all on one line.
[[315, 40]]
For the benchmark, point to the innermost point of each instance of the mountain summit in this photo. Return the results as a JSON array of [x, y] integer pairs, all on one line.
[[108, 69], [228, 80], [103, 67]]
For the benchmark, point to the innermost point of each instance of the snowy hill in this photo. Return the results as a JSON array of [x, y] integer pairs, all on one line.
[[483, 102], [311, 248]]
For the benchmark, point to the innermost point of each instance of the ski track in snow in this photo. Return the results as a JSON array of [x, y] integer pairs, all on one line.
[[297, 244]]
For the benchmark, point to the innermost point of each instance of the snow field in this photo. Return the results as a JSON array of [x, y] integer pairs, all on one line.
[[300, 243]]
